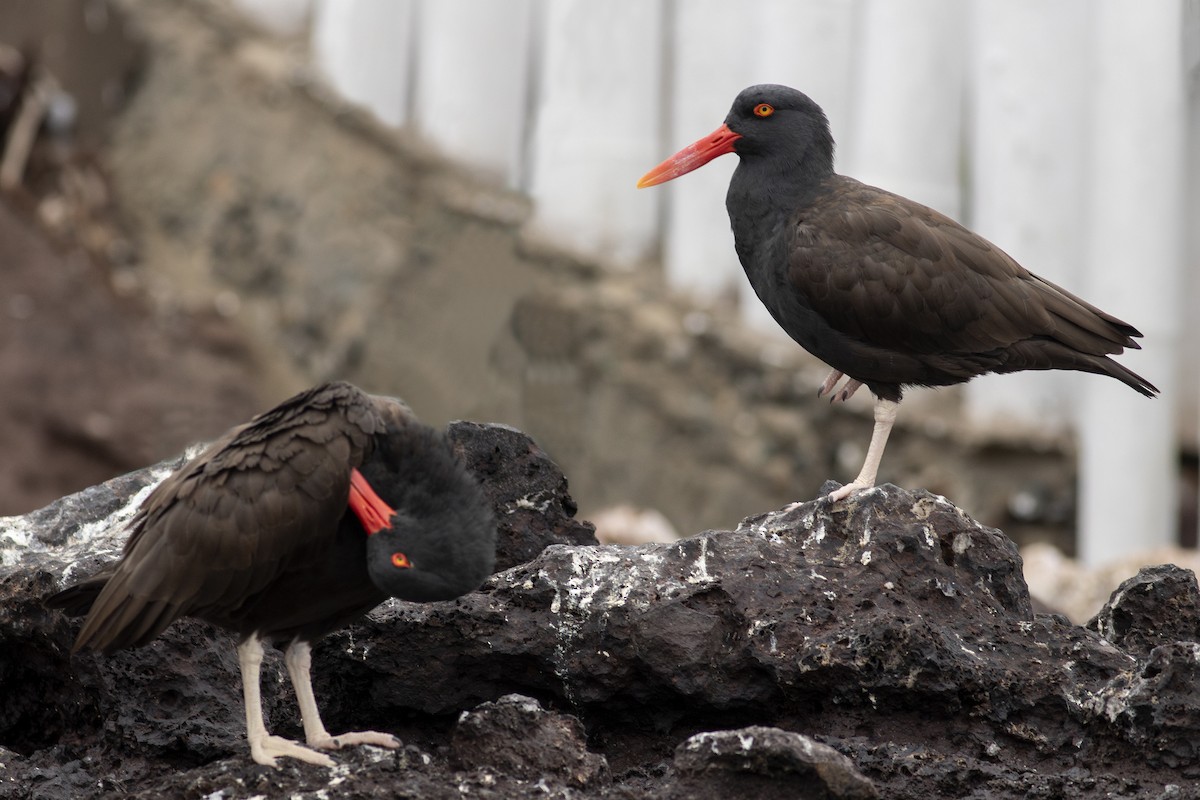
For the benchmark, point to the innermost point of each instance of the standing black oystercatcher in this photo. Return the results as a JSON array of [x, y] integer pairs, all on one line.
[[256, 535], [887, 292]]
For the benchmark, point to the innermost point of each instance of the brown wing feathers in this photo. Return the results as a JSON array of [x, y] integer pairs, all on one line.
[[939, 294], [223, 526]]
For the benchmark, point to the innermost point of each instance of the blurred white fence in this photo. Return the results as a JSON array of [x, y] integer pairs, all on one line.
[[1066, 131]]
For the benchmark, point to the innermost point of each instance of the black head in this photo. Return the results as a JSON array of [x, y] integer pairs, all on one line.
[[768, 126], [442, 543], [774, 120]]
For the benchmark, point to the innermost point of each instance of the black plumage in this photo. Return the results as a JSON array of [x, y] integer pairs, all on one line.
[[289, 527], [886, 291]]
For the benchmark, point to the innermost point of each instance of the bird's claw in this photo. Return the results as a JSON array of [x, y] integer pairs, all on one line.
[[830, 383], [847, 391], [827, 385]]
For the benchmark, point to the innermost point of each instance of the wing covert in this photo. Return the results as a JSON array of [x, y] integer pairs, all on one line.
[[883, 269]]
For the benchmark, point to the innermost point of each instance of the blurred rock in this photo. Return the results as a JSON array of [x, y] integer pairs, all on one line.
[[625, 524], [1078, 591]]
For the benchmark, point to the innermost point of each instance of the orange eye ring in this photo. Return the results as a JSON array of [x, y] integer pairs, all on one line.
[[400, 561], [764, 110]]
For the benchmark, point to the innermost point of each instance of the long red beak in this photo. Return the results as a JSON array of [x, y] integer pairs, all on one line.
[[694, 156], [370, 508]]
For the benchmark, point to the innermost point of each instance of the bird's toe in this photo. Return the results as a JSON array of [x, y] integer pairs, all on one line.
[[357, 737], [847, 391], [849, 490], [827, 385], [266, 750]]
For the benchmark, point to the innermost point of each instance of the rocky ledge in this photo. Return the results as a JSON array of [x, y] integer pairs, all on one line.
[[885, 647]]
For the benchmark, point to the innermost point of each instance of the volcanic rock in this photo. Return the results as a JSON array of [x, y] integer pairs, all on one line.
[[515, 735], [527, 489], [892, 628], [1159, 605], [1156, 707], [766, 762]]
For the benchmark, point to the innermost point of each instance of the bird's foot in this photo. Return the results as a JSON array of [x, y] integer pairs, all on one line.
[[266, 749], [830, 383], [376, 738], [847, 391], [849, 490]]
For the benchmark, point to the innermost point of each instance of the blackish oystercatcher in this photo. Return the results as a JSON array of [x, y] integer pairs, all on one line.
[[287, 528], [887, 292]]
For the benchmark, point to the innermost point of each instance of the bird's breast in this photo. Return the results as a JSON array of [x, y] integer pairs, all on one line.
[[765, 260]]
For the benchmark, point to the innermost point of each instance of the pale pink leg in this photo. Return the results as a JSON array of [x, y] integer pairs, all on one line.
[[298, 658], [885, 416], [265, 748]]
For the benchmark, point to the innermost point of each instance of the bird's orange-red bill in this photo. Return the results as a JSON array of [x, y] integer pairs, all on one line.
[[694, 156], [372, 511]]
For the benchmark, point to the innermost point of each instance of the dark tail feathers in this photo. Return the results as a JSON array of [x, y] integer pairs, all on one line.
[[76, 601]]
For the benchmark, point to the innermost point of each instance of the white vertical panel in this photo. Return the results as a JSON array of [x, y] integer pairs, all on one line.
[[472, 79], [711, 65], [363, 49], [1029, 135], [597, 126], [907, 115], [1190, 373], [811, 46], [1128, 458]]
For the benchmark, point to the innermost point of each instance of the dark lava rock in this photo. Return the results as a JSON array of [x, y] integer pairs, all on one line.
[[527, 489], [898, 600], [515, 735], [892, 628], [180, 697], [766, 763], [1158, 606], [1156, 706]]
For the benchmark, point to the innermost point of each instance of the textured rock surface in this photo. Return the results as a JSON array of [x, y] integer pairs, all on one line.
[[1155, 705], [515, 735], [1159, 605], [527, 489], [893, 630], [766, 762]]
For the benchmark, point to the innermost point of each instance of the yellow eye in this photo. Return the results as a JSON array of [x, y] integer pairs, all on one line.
[[400, 561], [764, 110]]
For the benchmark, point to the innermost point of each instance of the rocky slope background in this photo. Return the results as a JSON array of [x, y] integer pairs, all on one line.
[[215, 234], [886, 648]]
